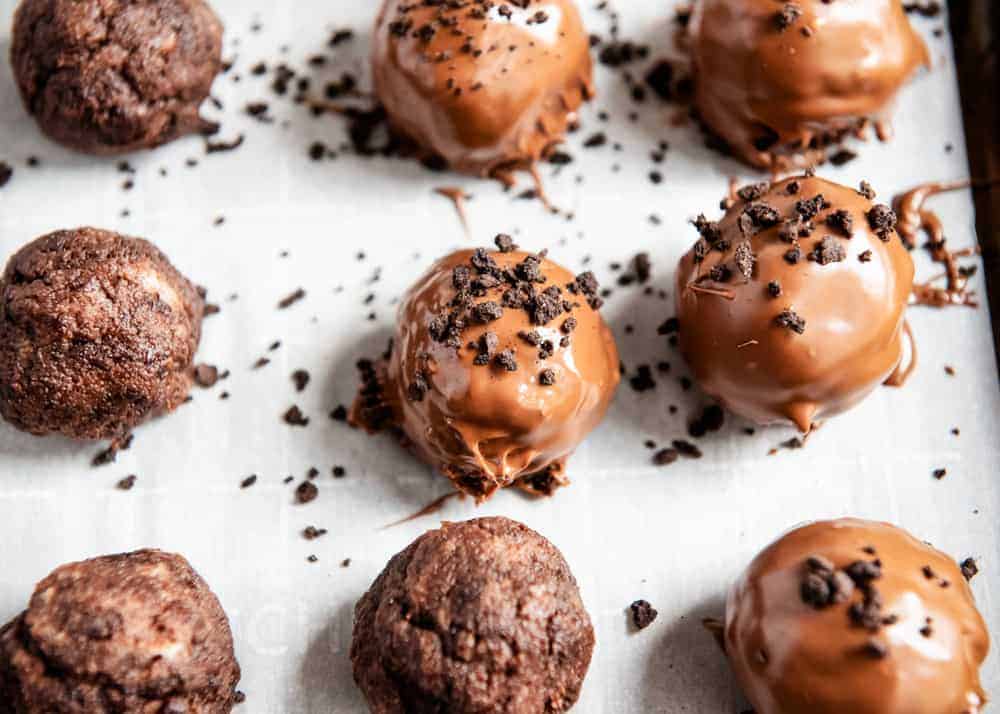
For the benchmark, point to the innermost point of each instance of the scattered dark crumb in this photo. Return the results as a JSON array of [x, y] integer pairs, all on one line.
[[239, 697], [339, 472], [949, 370], [206, 375], [970, 568], [306, 492], [643, 614], [940, 473], [345, 563], [300, 378], [339, 413], [686, 448], [248, 481], [110, 454], [294, 417], [291, 299], [126, 483], [261, 362], [5, 173], [312, 532], [313, 559], [664, 457], [842, 157]]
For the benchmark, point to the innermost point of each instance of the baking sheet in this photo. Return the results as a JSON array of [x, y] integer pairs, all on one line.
[[675, 536]]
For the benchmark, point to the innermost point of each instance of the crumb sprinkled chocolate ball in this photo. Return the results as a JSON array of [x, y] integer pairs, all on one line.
[[791, 306], [97, 334], [113, 76], [855, 616], [500, 366], [479, 616], [780, 81], [120, 634], [485, 86]]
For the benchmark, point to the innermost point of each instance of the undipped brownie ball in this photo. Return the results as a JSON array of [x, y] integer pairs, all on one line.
[[121, 634], [97, 333], [112, 76], [485, 86], [501, 365], [855, 616], [791, 306], [480, 616], [780, 81]]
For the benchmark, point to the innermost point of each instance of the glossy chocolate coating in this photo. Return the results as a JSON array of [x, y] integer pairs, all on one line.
[[486, 86], [483, 426], [776, 96], [853, 312], [792, 658]]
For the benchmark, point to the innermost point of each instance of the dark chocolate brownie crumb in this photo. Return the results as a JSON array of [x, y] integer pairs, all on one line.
[[291, 299], [865, 256], [876, 649], [791, 321], [686, 448], [506, 360], [865, 189], [940, 473], [306, 492], [300, 378], [970, 568], [248, 481], [504, 243], [642, 380], [787, 16], [547, 377], [126, 483], [665, 457], [841, 221], [312, 532], [643, 614], [828, 250], [842, 156], [882, 220], [6, 172], [294, 417], [206, 375], [774, 289]]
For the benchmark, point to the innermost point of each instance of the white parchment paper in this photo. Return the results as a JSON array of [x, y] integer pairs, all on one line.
[[676, 536]]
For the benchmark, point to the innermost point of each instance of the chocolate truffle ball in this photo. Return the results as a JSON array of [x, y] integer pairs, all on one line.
[[481, 616], [485, 86], [779, 81], [121, 634], [791, 307], [855, 616], [500, 366], [97, 334], [112, 76]]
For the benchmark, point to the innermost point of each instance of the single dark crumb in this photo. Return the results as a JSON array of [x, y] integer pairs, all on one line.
[[791, 321], [312, 473], [504, 243], [5, 173], [261, 362], [875, 649], [842, 156], [313, 559], [940, 473], [345, 563], [665, 457], [206, 375], [949, 370], [239, 697], [312, 532], [547, 377], [970, 568], [506, 360], [300, 378], [774, 289], [127, 483], [291, 299], [866, 190], [686, 448], [865, 256], [212, 309], [339, 413], [306, 492], [710, 419], [248, 481], [294, 417], [642, 380], [110, 454], [339, 472], [643, 614]]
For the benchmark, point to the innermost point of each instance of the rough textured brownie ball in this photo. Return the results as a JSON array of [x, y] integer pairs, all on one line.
[[479, 616], [501, 365], [486, 86], [112, 76], [855, 616], [122, 634], [791, 307], [97, 333], [779, 81]]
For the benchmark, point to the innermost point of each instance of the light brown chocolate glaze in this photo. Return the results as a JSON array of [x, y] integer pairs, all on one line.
[[481, 425], [486, 86], [778, 96], [915, 217], [853, 309], [803, 639]]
